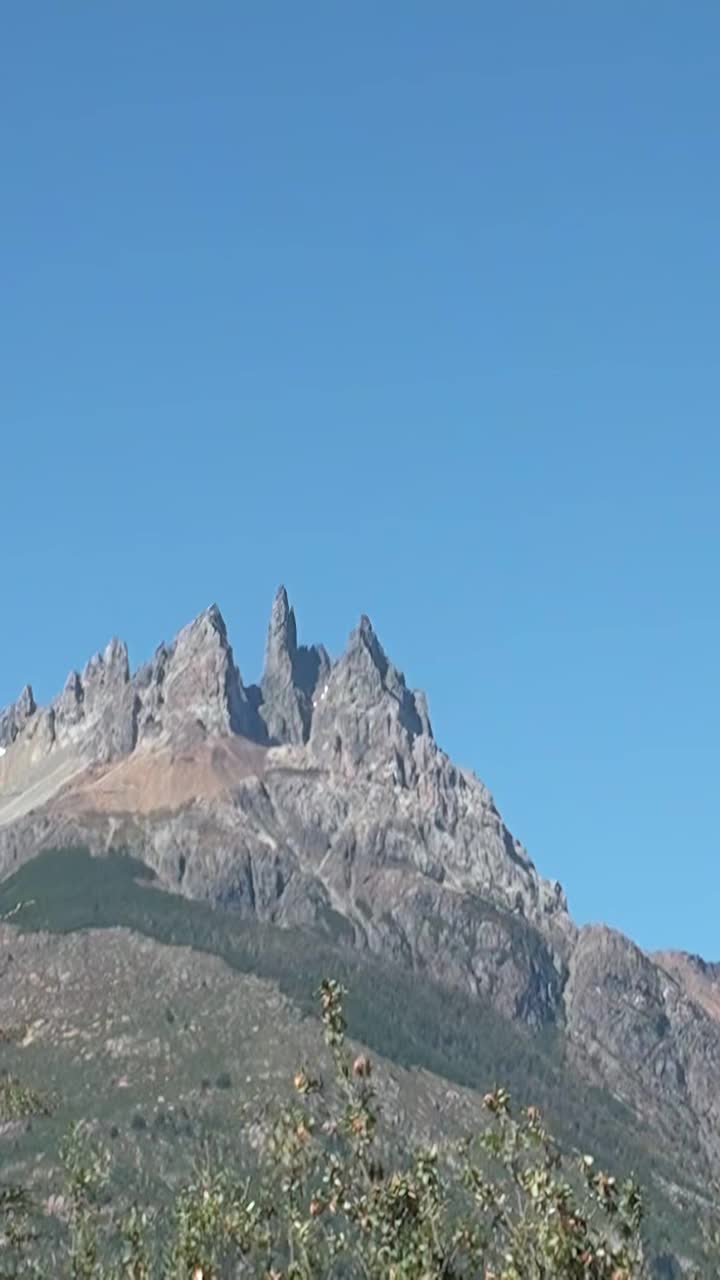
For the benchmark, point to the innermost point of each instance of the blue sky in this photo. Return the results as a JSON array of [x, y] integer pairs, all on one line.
[[415, 308]]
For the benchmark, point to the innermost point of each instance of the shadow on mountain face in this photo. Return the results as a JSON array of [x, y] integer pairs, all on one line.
[[405, 1016]]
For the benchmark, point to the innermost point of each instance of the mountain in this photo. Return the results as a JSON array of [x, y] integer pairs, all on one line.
[[320, 800], [319, 797]]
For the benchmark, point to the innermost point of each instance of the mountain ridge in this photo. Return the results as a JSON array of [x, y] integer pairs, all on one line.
[[319, 797]]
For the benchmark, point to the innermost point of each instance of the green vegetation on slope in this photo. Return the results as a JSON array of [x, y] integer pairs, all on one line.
[[329, 1198], [402, 1015], [19, 1100]]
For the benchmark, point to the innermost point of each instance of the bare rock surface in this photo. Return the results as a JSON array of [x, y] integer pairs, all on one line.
[[698, 978], [291, 676], [320, 797], [633, 1027], [14, 719]]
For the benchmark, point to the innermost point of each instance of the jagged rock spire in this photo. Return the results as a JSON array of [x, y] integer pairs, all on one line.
[[103, 712], [290, 677], [201, 684], [371, 818], [360, 709], [15, 717], [367, 716], [282, 632], [284, 707]]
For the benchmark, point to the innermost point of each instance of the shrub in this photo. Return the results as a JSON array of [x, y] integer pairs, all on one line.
[[332, 1199]]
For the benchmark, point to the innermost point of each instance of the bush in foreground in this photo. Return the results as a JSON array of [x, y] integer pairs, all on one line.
[[331, 1199]]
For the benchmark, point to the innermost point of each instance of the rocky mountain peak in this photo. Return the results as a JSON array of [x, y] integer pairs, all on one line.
[[281, 646], [282, 632], [93, 714], [116, 659], [365, 648], [364, 816], [15, 717], [355, 822], [290, 677], [366, 716], [198, 682], [25, 705], [112, 665], [103, 712]]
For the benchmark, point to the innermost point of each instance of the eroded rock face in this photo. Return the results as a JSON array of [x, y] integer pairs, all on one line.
[[321, 798], [201, 685], [14, 719], [633, 1028], [103, 713], [698, 978], [93, 714], [353, 818], [95, 711], [291, 677], [365, 718]]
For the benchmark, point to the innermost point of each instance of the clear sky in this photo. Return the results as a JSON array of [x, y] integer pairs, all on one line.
[[413, 306]]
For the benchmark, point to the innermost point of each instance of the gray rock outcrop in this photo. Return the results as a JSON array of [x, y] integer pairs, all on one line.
[[195, 684], [14, 719], [291, 676], [321, 798], [357, 821]]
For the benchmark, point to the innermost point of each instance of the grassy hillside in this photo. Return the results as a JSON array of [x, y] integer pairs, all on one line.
[[401, 1015]]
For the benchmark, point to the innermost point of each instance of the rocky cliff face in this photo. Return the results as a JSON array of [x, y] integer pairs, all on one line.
[[14, 719], [320, 797], [291, 677], [699, 979], [636, 1029]]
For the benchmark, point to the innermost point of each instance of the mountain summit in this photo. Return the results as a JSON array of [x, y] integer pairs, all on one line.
[[290, 678], [319, 795], [320, 798]]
